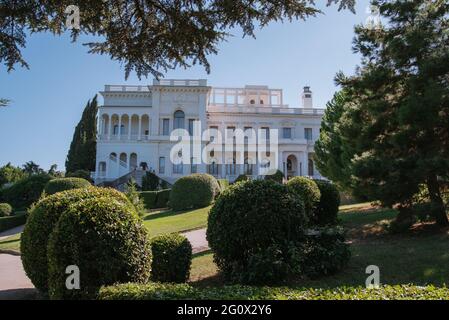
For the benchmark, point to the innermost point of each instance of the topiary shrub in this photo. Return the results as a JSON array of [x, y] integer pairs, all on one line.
[[105, 239], [325, 252], [5, 209], [84, 174], [307, 190], [41, 221], [163, 196], [326, 212], [277, 176], [62, 184], [26, 191], [172, 257], [253, 230], [194, 191]]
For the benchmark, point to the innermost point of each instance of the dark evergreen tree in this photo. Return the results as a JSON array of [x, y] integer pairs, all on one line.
[[395, 123], [82, 152]]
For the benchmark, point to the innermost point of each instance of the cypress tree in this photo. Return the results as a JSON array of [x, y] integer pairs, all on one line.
[[82, 152]]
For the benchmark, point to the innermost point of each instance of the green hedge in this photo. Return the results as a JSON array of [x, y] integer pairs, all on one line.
[[12, 221], [155, 199], [26, 191], [163, 291], [149, 199], [163, 196]]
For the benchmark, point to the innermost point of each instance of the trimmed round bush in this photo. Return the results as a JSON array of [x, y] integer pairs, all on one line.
[[172, 257], [62, 184], [5, 209], [105, 239], [84, 174], [194, 191], [327, 209], [307, 190], [26, 191], [253, 229], [41, 221], [277, 176]]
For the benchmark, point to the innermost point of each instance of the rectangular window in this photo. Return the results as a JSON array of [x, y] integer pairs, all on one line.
[[177, 168], [191, 122], [266, 132], [308, 134], [287, 133], [165, 127], [162, 165], [213, 131]]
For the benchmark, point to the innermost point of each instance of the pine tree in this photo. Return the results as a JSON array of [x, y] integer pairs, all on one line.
[[395, 124], [82, 152]]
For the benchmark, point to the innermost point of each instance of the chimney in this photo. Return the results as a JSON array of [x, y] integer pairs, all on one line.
[[307, 98]]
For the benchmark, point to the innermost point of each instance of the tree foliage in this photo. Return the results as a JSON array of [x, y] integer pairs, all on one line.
[[82, 152], [147, 36], [10, 174], [394, 127]]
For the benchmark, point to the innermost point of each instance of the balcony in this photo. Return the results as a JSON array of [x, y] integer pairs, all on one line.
[[125, 88], [226, 108], [180, 82]]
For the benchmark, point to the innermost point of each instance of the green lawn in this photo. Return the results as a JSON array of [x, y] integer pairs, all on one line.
[[419, 257], [11, 243], [168, 221]]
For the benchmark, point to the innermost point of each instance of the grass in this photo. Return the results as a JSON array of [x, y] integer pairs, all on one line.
[[419, 257], [11, 243], [168, 221]]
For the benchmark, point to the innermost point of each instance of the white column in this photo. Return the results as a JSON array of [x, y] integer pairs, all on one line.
[[139, 134], [304, 163], [129, 127], [119, 130], [109, 128]]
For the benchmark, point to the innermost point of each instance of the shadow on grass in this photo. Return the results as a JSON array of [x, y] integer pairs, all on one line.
[[162, 214]]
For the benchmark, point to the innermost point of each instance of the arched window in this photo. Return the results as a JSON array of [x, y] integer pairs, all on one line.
[[178, 122], [252, 101]]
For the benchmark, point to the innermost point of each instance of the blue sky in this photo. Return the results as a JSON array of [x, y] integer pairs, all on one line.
[[48, 99]]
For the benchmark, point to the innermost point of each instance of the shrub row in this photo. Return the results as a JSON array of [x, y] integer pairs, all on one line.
[[162, 291], [12, 221], [26, 191], [155, 199], [259, 232]]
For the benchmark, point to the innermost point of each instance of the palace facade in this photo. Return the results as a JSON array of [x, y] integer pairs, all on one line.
[[135, 124]]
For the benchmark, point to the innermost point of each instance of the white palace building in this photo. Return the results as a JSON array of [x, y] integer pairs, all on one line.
[[135, 124]]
